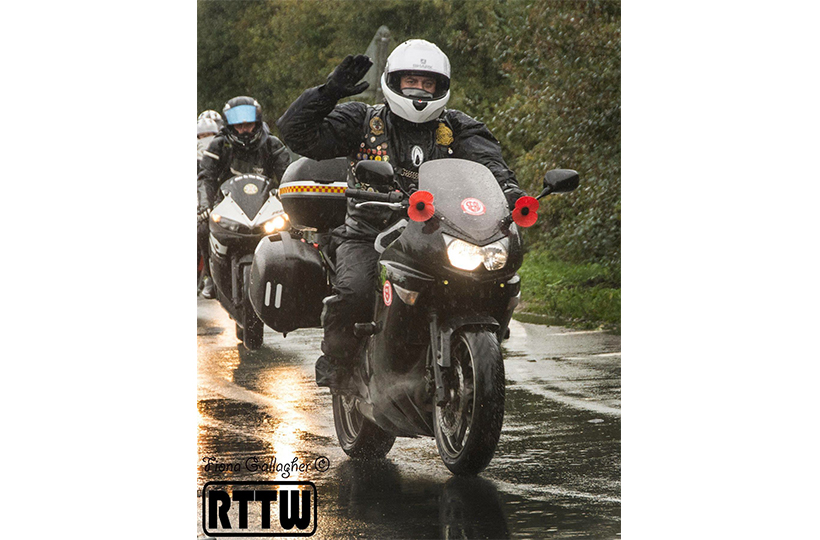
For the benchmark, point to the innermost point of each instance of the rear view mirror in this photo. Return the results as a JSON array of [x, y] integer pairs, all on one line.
[[375, 173], [561, 180]]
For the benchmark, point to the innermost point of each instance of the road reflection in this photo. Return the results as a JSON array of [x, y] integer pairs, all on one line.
[[556, 472], [388, 503]]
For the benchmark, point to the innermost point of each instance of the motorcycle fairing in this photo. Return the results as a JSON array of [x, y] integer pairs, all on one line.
[[250, 194], [455, 181]]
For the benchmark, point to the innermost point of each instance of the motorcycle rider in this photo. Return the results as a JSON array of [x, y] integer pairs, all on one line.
[[243, 146], [411, 127], [208, 125]]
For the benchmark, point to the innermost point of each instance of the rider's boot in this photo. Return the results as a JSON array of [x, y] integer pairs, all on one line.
[[334, 373], [208, 288]]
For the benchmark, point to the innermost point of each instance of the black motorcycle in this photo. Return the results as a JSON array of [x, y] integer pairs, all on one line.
[[248, 212], [292, 270], [430, 363]]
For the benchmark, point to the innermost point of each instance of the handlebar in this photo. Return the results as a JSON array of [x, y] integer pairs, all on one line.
[[391, 197]]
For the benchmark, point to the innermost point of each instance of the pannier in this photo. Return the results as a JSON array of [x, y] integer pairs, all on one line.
[[287, 283]]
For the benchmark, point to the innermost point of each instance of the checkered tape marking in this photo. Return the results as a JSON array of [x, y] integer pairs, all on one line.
[[285, 190]]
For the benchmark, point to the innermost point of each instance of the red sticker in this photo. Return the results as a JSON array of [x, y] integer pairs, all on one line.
[[387, 293], [472, 206]]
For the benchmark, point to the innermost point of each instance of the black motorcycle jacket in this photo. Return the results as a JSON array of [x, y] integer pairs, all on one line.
[[314, 126], [223, 160]]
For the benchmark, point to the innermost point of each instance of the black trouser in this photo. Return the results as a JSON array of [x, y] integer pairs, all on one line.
[[202, 234], [352, 302]]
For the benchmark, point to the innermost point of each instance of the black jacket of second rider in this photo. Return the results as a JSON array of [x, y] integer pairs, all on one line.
[[314, 126], [224, 159]]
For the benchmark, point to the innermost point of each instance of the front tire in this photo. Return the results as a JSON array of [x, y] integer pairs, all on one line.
[[252, 327], [468, 426], [359, 437], [253, 333]]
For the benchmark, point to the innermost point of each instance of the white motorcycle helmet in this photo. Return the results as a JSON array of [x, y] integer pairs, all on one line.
[[206, 125], [419, 57], [212, 115]]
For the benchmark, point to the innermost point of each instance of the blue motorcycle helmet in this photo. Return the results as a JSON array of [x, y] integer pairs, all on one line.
[[242, 110]]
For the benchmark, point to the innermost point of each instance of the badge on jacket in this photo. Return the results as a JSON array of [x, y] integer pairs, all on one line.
[[444, 135], [376, 125], [417, 156]]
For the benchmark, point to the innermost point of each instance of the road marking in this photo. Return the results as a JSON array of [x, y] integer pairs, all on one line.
[[587, 357], [534, 387], [578, 333], [534, 491]]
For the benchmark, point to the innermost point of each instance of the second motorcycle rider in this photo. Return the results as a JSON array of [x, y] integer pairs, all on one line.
[[411, 127], [243, 146]]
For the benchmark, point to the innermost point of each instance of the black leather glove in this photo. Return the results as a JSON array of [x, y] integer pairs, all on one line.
[[512, 194], [342, 81], [202, 216]]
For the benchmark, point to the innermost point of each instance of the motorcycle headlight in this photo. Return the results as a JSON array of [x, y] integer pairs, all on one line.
[[464, 255], [495, 255], [226, 223], [276, 224], [468, 256]]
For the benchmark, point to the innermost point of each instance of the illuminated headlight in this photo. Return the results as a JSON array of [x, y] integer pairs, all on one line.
[[495, 255], [468, 256], [464, 255], [276, 224], [227, 223]]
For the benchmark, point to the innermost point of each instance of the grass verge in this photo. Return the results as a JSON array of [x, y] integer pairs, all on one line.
[[575, 295]]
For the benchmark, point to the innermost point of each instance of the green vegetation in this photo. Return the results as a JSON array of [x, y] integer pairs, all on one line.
[[543, 75], [584, 295]]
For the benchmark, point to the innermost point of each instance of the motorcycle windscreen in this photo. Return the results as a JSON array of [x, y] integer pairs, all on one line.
[[249, 191], [467, 195]]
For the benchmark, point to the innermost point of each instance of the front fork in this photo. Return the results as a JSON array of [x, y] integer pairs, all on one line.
[[441, 332], [238, 279], [436, 359], [440, 337]]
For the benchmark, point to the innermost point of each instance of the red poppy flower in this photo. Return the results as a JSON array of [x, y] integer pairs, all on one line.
[[524, 213], [421, 206]]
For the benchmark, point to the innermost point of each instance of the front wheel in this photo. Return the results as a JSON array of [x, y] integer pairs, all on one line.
[[252, 327], [358, 436], [253, 333], [468, 426]]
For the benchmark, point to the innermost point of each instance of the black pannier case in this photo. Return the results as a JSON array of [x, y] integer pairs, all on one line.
[[288, 283]]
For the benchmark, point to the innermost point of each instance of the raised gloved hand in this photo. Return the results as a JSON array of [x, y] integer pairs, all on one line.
[[342, 81]]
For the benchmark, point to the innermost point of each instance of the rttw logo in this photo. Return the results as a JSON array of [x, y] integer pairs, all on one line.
[[245, 508]]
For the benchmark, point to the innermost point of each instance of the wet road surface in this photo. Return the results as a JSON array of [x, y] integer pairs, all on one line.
[[555, 474]]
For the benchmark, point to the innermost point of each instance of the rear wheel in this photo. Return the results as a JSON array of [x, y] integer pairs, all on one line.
[[468, 426], [358, 436]]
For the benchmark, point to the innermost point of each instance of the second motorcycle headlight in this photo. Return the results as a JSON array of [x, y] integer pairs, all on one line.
[[467, 256], [226, 223], [276, 224]]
